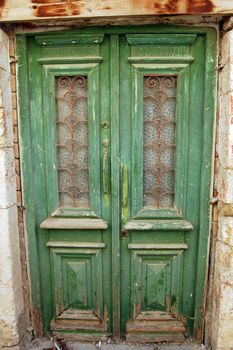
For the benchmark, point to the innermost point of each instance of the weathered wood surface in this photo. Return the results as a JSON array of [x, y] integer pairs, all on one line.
[[74, 224], [59, 244], [155, 316], [158, 246], [19, 10], [154, 338], [181, 225], [155, 326], [159, 326], [75, 314]]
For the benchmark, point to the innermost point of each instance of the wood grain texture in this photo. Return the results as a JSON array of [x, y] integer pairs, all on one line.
[[159, 325], [40, 9], [59, 244], [181, 225], [154, 337], [158, 246], [69, 224]]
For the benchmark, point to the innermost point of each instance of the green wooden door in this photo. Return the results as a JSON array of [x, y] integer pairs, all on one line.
[[116, 131]]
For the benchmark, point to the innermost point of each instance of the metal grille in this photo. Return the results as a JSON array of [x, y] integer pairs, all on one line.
[[72, 141], [159, 140]]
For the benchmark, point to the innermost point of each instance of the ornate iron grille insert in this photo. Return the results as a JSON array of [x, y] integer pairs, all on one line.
[[72, 141], [159, 141]]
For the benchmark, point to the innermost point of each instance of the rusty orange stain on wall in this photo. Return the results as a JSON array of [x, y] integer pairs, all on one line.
[[51, 9], [197, 6], [2, 4], [171, 6], [231, 105], [175, 6], [48, 1]]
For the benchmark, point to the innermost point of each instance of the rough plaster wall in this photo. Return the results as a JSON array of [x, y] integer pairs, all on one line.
[[220, 295], [222, 253], [22, 238], [11, 298]]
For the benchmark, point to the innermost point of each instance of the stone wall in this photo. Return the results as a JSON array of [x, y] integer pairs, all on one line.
[[19, 199], [11, 297], [13, 302], [221, 277]]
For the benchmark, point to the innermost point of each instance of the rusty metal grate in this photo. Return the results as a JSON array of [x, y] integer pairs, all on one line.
[[159, 140], [72, 141]]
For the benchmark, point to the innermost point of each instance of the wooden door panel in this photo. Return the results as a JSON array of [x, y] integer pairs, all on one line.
[[156, 68], [75, 155], [77, 288], [157, 278], [165, 78], [74, 196]]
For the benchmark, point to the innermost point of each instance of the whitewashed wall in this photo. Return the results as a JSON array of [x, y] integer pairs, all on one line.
[[222, 313], [11, 298]]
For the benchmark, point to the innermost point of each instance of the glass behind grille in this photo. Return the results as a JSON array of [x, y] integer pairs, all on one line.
[[72, 141], [159, 141]]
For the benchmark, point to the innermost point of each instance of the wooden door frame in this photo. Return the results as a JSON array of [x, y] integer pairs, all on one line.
[[209, 111]]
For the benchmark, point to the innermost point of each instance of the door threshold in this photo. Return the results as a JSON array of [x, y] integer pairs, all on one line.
[[45, 343]]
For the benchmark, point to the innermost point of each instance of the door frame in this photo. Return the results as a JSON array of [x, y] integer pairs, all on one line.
[[209, 111]]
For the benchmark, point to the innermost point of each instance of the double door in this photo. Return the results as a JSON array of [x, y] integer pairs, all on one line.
[[117, 156]]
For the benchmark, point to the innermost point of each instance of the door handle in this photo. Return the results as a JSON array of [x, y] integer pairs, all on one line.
[[125, 190], [106, 166]]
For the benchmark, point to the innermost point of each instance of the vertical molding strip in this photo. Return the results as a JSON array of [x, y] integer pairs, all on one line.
[[115, 181], [206, 181], [28, 185]]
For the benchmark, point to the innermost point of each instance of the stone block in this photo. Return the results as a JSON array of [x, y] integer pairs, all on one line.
[[224, 267], [6, 129], [4, 51], [226, 78], [8, 334], [15, 117], [7, 192], [5, 88], [225, 231], [7, 178], [16, 134], [19, 197], [224, 185], [7, 163], [12, 68], [224, 339], [11, 44], [9, 242], [227, 47], [222, 317], [225, 130], [13, 83], [17, 166], [16, 150], [226, 309], [18, 183], [10, 273]]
